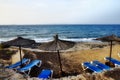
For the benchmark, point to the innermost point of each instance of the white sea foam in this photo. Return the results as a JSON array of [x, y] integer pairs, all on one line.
[[51, 39], [43, 39], [6, 39], [81, 39], [72, 39]]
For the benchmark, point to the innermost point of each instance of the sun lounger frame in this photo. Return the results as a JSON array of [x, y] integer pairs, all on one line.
[[24, 71], [115, 62], [88, 67], [18, 64]]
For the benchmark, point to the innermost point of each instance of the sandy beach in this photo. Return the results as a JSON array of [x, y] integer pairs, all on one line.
[[71, 61], [60, 39]]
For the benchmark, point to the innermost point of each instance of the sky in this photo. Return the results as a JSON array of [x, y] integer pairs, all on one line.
[[59, 12]]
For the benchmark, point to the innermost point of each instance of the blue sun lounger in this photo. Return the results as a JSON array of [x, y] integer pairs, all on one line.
[[92, 67], [46, 74], [101, 65], [29, 66], [17, 64], [114, 61]]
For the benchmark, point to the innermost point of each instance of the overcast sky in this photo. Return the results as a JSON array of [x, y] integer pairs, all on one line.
[[59, 11]]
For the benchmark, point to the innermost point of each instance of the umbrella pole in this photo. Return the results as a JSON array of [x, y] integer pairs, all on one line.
[[59, 61], [20, 55], [110, 51]]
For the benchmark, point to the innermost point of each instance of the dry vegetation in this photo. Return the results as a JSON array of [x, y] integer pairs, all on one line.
[[78, 57], [71, 62]]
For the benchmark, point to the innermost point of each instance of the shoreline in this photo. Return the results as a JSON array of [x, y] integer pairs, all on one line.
[[78, 46]]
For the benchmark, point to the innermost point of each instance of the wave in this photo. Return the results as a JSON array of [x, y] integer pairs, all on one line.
[[40, 40], [67, 39], [48, 39], [43, 39], [81, 39], [6, 39]]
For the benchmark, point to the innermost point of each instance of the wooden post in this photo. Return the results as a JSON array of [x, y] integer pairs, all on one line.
[[20, 55], [110, 51], [57, 48], [59, 62]]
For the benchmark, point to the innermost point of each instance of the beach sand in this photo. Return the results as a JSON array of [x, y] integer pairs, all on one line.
[[72, 58]]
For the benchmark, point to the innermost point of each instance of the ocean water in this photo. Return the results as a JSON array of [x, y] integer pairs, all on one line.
[[45, 33]]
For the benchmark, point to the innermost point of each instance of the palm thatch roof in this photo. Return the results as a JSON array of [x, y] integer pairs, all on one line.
[[109, 38], [56, 44], [19, 41]]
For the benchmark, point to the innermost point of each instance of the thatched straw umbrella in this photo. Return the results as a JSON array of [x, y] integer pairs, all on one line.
[[57, 45], [110, 39], [19, 42]]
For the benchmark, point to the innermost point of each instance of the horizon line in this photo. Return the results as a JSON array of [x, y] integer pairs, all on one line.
[[54, 24]]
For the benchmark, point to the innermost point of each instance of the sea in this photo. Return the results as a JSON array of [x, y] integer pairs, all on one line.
[[45, 33]]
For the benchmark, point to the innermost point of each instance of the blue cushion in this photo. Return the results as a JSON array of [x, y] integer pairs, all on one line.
[[113, 60], [101, 65], [17, 64], [29, 66], [45, 74], [92, 67]]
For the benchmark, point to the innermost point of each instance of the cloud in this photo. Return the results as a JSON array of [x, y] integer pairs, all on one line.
[[59, 12]]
